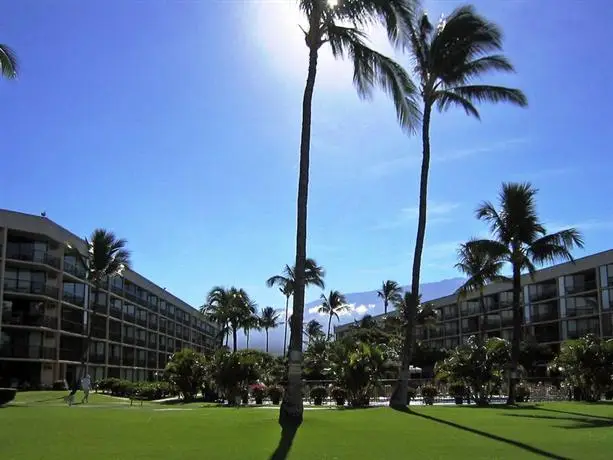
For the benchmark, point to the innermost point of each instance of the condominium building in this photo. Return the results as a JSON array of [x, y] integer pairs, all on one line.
[[47, 309], [561, 302]]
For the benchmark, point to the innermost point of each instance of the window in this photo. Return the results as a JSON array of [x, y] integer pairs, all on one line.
[[128, 332], [129, 310], [542, 291], [582, 305], [451, 328], [580, 282], [117, 282], [21, 278], [579, 327], [505, 299], [546, 311]]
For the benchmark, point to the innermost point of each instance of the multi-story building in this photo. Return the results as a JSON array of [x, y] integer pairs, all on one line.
[[48, 308], [561, 302]]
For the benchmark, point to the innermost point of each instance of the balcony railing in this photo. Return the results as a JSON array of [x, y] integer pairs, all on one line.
[[73, 299], [129, 318], [70, 354], [115, 312], [582, 311], [39, 257], [27, 352], [140, 342], [141, 322], [97, 358], [75, 270], [128, 360], [544, 316], [546, 292], [72, 326], [114, 360], [582, 287], [115, 336], [129, 340], [29, 287], [16, 318], [153, 345]]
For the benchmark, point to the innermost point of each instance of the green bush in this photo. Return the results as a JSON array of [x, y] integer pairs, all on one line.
[[458, 391], [275, 392], [412, 392], [608, 395], [522, 393], [339, 395], [428, 393], [59, 385], [318, 394], [7, 395]]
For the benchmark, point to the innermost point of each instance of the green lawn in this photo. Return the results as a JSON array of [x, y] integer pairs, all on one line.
[[40, 426]]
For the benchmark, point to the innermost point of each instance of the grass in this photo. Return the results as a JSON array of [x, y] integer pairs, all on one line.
[[40, 426]]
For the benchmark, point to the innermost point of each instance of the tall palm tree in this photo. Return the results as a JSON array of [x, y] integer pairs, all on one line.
[[269, 319], [390, 292], [332, 305], [481, 268], [340, 25], [8, 62], [106, 257], [314, 276], [251, 323], [447, 60], [521, 240], [229, 306], [313, 330]]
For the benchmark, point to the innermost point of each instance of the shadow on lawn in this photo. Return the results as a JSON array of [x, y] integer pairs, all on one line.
[[521, 445], [582, 420], [289, 428]]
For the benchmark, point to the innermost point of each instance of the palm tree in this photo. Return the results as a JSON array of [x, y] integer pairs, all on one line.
[[269, 319], [251, 323], [8, 62], [229, 306], [339, 25], [314, 276], [481, 269], [521, 240], [447, 60], [313, 330], [106, 257], [332, 305], [390, 292]]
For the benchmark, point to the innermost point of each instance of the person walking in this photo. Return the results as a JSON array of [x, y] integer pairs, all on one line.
[[73, 391], [86, 384]]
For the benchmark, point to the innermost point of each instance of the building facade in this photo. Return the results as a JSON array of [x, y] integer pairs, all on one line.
[[561, 302], [48, 308]]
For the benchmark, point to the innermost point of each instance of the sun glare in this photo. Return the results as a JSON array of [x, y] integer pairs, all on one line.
[[332, 3]]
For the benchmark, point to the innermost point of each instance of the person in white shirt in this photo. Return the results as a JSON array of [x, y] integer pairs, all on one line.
[[86, 383]]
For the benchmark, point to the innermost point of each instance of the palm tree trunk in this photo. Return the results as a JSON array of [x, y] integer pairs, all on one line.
[[234, 338], [227, 337], [400, 396], [516, 341], [329, 324], [285, 333], [247, 338], [291, 413], [385, 307], [482, 316], [88, 334], [266, 340]]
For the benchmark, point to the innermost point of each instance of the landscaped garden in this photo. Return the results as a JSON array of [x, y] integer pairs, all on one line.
[[39, 425]]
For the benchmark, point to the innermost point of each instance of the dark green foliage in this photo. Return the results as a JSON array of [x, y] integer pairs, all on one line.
[[339, 395], [428, 393], [59, 385], [412, 393], [186, 370], [149, 391], [522, 393], [234, 372], [7, 395], [318, 394], [275, 393], [8, 62], [459, 392]]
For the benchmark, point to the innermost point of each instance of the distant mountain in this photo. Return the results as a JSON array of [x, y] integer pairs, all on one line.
[[361, 303]]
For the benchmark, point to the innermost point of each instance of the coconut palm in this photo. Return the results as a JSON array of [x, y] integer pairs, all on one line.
[[481, 268], [521, 240], [314, 276], [8, 62], [251, 323], [332, 305], [390, 292], [106, 257], [448, 60], [229, 306], [269, 319], [339, 25], [313, 330]]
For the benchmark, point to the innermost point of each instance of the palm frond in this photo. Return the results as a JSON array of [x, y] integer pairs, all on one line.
[[479, 66], [9, 66], [446, 99], [490, 93], [488, 213], [556, 246], [276, 280], [372, 69]]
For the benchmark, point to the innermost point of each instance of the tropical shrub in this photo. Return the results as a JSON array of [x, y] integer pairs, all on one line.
[[428, 393], [7, 395], [234, 372], [275, 392], [59, 385], [458, 391], [479, 364], [587, 365], [522, 393], [258, 391], [412, 393], [186, 370], [339, 395], [318, 394]]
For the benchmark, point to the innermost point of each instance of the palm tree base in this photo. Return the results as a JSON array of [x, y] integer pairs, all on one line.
[[291, 414]]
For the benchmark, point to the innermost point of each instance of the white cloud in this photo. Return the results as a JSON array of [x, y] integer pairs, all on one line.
[[349, 311], [438, 212]]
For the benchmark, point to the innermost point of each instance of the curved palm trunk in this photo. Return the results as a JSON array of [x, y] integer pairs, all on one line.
[[515, 343], [247, 338], [88, 336], [285, 333], [266, 340], [385, 307], [329, 324], [482, 316], [234, 338], [400, 395], [292, 409]]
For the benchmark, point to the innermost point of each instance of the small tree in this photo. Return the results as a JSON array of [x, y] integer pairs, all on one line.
[[187, 370], [587, 364], [233, 372], [477, 364]]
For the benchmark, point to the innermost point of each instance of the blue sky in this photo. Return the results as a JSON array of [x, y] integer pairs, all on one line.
[[176, 124]]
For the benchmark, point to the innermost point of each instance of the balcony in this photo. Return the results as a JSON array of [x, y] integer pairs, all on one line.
[[73, 299], [97, 358], [588, 285], [128, 360], [543, 292], [544, 316], [70, 354], [131, 296], [128, 340], [38, 257], [75, 270], [72, 326], [117, 289], [140, 342], [129, 318], [153, 345], [17, 318], [115, 336], [141, 363], [115, 312], [27, 352], [114, 360], [141, 322], [29, 287]]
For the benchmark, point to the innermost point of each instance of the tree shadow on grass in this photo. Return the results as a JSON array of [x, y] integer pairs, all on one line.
[[289, 428], [521, 445], [579, 414], [581, 420]]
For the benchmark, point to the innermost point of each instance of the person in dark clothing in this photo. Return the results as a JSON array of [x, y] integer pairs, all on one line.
[[73, 391]]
